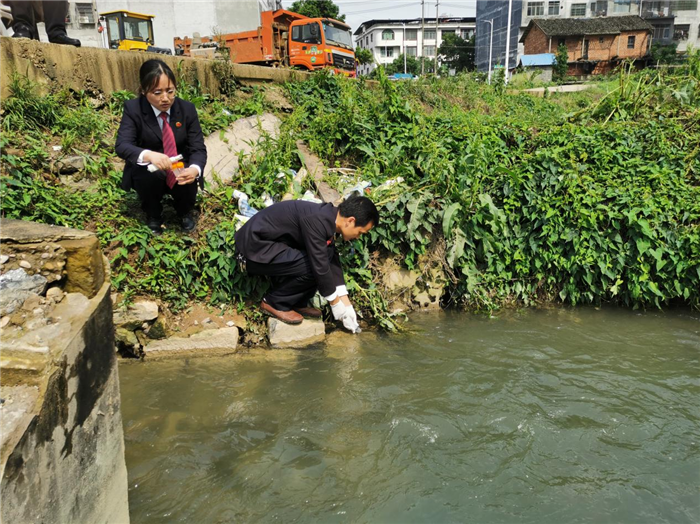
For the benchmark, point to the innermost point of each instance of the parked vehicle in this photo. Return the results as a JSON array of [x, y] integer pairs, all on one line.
[[130, 31], [288, 39]]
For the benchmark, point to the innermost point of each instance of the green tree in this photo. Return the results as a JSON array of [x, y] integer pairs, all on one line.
[[412, 65], [457, 53], [663, 54], [561, 65], [317, 9], [364, 55]]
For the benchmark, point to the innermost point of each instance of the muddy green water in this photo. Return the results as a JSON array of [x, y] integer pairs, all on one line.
[[553, 416]]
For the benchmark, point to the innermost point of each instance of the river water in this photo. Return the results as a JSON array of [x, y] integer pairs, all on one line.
[[541, 416]]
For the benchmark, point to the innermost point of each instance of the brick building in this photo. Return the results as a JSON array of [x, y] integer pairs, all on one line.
[[595, 45]]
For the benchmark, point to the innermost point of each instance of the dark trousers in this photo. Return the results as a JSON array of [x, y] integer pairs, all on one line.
[[28, 13], [293, 281], [151, 188]]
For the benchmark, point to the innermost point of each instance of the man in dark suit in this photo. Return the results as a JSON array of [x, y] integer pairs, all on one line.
[[294, 242], [26, 14], [143, 139]]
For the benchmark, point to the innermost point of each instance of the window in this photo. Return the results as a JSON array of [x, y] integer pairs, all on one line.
[[371, 37], [467, 33], [412, 34], [308, 34], [599, 8], [680, 31], [386, 52], [553, 8], [113, 31], [411, 51], [84, 14], [429, 50], [687, 5], [137, 29], [562, 41], [535, 8], [578, 9], [623, 6], [630, 42], [366, 41], [387, 34], [661, 32], [429, 34]]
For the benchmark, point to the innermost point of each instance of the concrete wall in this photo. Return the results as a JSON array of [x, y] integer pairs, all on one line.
[[106, 70], [62, 447]]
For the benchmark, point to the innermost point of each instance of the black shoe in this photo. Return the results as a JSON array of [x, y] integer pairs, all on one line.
[[21, 31], [154, 225], [64, 39], [188, 223]]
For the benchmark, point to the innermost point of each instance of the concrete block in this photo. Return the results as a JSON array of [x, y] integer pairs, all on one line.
[[209, 342], [282, 335]]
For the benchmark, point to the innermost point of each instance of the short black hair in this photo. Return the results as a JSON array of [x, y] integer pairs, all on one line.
[[362, 208], [150, 72]]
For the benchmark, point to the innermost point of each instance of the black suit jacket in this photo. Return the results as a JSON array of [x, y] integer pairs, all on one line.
[[304, 226], [139, 130]]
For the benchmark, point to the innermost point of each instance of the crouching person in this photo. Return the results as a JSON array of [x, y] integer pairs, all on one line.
[[294, 243]]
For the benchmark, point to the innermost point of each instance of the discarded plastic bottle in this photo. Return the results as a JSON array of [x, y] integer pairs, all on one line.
[[243, 205]]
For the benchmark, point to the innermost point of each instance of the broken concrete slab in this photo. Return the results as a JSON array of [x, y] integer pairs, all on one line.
[[241, 137], [25, 232], [282, 335], [221, 341], [318, 172]]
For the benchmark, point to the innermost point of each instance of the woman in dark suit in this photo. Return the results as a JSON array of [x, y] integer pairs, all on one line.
[[155, 127]]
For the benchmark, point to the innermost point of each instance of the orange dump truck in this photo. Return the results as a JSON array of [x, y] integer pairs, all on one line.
[[289, 39]]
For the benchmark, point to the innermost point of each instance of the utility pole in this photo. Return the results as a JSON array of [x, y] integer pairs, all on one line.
[[404, 47], [490, 48], [422, 36], [510, 10], [437, 21]]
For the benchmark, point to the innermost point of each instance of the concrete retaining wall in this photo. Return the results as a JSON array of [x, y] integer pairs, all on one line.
[[62, 446], [105, 70]]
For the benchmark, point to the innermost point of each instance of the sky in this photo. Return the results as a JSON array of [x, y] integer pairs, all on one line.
[[358, 11]]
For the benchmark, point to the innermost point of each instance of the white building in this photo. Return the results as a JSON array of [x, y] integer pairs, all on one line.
[[172, 17], [686, 26], [388, 39], [674, 21]]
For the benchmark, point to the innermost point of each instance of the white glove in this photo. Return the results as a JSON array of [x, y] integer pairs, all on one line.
[[338, 310], [350, 320]]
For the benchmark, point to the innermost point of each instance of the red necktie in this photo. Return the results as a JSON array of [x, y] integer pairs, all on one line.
[[169, 148]]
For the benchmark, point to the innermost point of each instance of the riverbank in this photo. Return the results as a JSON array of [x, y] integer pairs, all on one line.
[[488, 199]]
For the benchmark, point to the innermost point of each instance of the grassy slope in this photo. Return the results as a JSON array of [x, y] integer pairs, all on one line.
[[582, 198]]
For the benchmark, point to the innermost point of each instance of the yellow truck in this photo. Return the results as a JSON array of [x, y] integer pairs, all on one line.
[[130, 31]]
